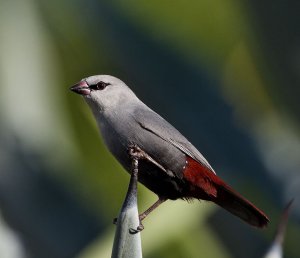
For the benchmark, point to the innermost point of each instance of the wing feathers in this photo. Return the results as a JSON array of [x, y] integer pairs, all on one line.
[[154, 123]]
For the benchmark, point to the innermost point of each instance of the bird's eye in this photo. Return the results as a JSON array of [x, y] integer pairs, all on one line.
[[99, 86]]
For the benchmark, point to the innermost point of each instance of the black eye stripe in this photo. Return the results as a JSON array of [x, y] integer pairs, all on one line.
[[99, 86]]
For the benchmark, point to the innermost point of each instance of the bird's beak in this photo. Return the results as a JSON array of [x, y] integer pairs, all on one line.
[[81, 88]]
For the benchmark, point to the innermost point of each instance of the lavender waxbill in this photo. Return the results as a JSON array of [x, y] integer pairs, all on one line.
[[169, 165]]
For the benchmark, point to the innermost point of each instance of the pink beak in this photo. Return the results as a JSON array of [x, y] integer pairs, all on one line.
[[81, 88]]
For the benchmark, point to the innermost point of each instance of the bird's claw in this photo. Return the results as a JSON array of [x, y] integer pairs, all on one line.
[[132, 231], [135, 152], [137, 230]]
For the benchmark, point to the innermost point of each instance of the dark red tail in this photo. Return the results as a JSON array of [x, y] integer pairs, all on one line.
[[239, 206], [206, 185]]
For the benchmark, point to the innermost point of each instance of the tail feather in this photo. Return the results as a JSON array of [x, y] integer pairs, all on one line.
[[206, 185], [233, 202]]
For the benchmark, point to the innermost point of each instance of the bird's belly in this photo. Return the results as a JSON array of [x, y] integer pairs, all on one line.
[[164, 184], [150, 175], [159, 182]]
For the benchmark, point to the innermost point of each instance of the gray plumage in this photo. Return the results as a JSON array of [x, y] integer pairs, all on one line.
[[121, 111], [125, 120], [179, 170]]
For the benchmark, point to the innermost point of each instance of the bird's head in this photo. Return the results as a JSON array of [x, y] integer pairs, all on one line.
[[103, 92]]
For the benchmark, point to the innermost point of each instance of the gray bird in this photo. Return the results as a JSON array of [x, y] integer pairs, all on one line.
[[171, 166]]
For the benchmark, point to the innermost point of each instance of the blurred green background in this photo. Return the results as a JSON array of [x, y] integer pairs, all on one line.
[[225, 73]]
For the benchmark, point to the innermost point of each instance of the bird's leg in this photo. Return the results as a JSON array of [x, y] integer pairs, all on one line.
[[132, 188], [152, 208], [136, 154], [143, 215]]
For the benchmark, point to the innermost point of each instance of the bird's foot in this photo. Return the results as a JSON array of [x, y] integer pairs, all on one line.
[[139, 228], [132, 231], [136, 152]]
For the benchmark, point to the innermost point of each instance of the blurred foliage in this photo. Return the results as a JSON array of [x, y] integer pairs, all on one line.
[[225, 73]]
